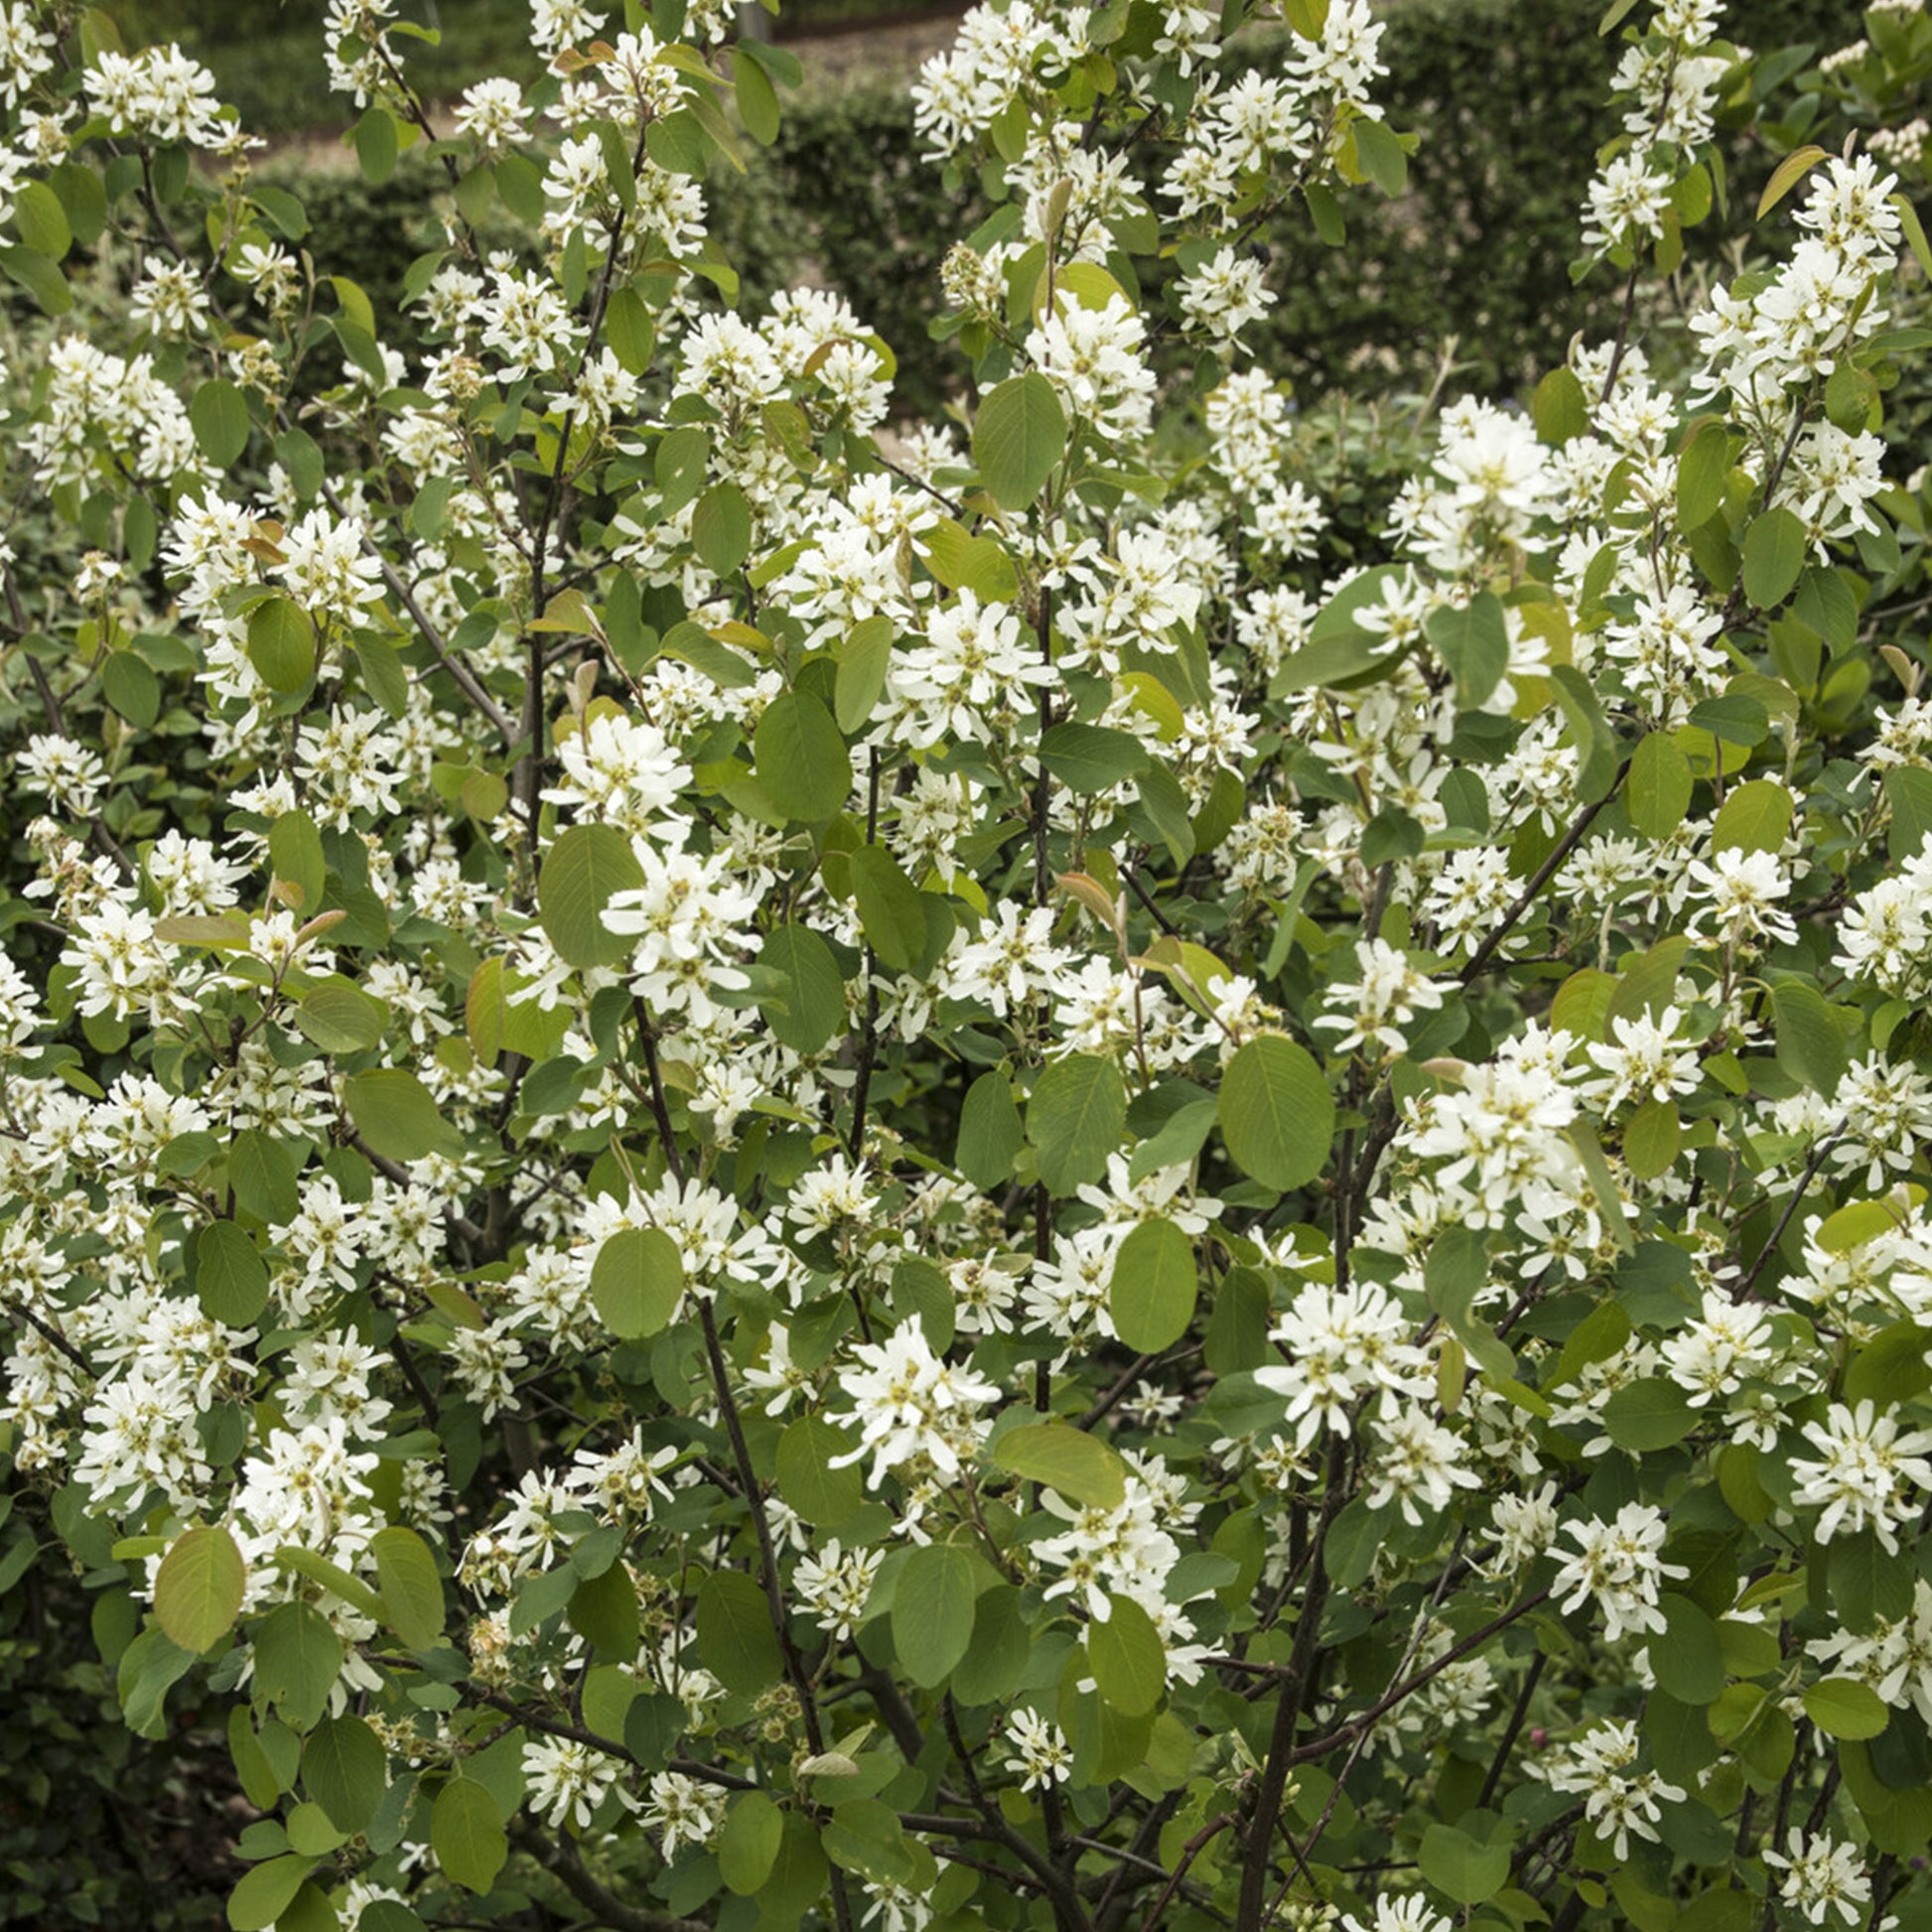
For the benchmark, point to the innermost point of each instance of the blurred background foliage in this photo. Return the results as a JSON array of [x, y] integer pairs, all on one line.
[[1463, 284]]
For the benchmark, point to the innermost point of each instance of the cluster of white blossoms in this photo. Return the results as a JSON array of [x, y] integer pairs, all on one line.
[[1670, 79], [1616, 1565], [982, 1077], [1621, 1800]]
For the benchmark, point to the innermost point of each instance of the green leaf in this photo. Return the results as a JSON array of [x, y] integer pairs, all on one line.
[[813, 1008], [754, 1829], [735, 1643], [679, 466], [636, 1282], [299, 1560], [1786, 176], [721, 530], [41, 222], [1091, 758], [581, 872], [383, 676], [396, 1115], [1908, 792], [519, 185], [1657, 787], [297, 1660], [198, 1587], [864, 660], [230, 1276], [82, 196], [376, 145], [282, 644], [411, 1591], [1082, 1467], [260, 1784], [1703, 473], [150, 1665], [901, 925], [40, 278], [1754, 817], [1324, 210], [1127, 1657], [1652, 1137], [1776, 546], [1559, 408], [932, 1612], [1461, 1869], [1154, 1288], [1074, 1120], [865, 1837], [266, 1892], [1891, 1367], [806, 1479], [1865, 1582], [990, 1132], [262, 1172], [1473, 642], [467, 1831], [1277, 1114], [301, 455], [340, 1017], [627, 329], [1587, 730], [219, 415], [801, 757], [1379, 152], [295, 852], [604, 1613], [1650, 1414], [1841, 1706], [130, 685], [388, 1915], [1688, 1662], [1018, 436], [757, 106], [1811, 1043], [346, 1770], [1914, 232]]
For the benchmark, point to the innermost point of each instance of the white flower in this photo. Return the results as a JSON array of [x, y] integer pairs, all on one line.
[[1409, 1913], [1374, 1010], [1859, 1477], [1618, 1801], [569, 1780], [326, 570], [1092, 356], [1040, 1751], [1415, 1460], [1011, 960], [682, 1810], [1618, 1564], [687, 919], [1224, 295], [1712, 1357], [494, 112], [1821, 1877], [1629, 200], [909, 1406], [1643, 1060], [833, 1586]]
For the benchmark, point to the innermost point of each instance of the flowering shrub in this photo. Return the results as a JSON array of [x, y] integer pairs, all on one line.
[[762, 1166]]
